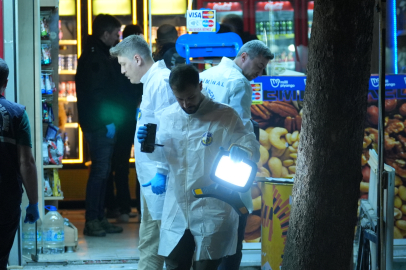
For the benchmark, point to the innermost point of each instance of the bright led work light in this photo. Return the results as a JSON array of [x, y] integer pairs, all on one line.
[[230, 177]]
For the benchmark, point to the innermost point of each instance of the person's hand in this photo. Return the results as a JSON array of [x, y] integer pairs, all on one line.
[[157, 184], [237, 154], [111, 130], [142, 133], [31, 213]]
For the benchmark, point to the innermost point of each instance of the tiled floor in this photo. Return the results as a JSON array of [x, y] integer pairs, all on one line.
[[115, 251]]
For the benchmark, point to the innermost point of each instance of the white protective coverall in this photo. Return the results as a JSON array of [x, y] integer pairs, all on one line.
[[191, 143], [157, 95], [226, 84]]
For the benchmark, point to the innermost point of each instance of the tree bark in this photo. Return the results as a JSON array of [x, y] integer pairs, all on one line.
[[328, 175]]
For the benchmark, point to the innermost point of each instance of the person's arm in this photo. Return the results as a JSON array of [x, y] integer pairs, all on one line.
[[241, 99], [28, 172]]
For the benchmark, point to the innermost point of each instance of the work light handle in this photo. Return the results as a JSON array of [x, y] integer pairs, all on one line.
[[242, 147]]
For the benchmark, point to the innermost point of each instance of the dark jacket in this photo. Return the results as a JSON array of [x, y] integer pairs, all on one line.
[[10, 178], [97, 87]]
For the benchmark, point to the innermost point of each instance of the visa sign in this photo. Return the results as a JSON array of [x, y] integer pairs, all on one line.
[[201, 21]]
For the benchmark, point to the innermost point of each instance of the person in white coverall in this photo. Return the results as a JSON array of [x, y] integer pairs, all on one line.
[[137, 65], [229, 83], [192, 131]]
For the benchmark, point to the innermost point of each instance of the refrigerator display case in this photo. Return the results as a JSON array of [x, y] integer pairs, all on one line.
[[225, 8], [69, 51], [160, 13]]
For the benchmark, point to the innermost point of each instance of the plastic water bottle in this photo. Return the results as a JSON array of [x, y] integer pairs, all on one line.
[[29, 238], [53, 232]]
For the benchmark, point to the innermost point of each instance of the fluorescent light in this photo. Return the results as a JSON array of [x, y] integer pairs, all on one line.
[[291, 47], [234, 173]]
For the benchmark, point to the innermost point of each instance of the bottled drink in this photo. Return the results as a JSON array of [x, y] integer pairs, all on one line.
[[289, 27], [268, 28], [28, 241], [282, 27], [276, 31], [53, 232]]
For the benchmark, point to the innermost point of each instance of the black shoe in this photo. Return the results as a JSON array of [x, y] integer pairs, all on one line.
[[110, 228], [94, 228]]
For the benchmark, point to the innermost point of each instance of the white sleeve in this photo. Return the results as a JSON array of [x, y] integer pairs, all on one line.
[[241, 99], [244, 135]]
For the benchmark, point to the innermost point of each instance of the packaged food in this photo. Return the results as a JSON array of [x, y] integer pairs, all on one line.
[[45, 157], [44, 26], [47, 185], [45, 54], [56, 184]]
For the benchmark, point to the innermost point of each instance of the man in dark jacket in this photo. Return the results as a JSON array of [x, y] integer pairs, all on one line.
[[17, 168], [119, 205], [99, 113], [166, 50]]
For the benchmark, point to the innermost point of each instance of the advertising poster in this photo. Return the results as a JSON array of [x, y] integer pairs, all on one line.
[[277, 107]]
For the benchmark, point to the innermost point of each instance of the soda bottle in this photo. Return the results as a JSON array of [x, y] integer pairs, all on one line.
[[28, 240], [276, 32], [282, 27], [53, 232], [289, 27]]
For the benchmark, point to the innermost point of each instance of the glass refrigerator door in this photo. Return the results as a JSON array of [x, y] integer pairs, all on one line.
[[225, 8], [69, 51], [162, 13], [274, 24]]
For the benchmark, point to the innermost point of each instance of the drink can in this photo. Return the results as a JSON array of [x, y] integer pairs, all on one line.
[[69, 61]]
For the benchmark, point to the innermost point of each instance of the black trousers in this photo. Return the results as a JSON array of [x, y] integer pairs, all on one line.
[[119, 171], [8, 227], [181, 257]]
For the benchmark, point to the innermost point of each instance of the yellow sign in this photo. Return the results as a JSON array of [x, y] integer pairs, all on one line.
[[275, 214], [67, 8], [116, 7], [162, 7]]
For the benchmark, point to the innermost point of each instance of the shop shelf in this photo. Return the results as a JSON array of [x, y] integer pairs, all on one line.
[[67, 72], [68, 99], [53, 166], [54, 198], [68, 42]]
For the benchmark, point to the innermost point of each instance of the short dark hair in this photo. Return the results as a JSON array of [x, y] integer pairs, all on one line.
[[132, 29], [3, 72], [166, 33], [104, 22], [182, 76], [235, 22]]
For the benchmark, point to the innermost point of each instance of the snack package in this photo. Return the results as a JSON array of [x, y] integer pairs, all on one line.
[[51, 132], [47, 185], [60, 146], [54, 156], [56, 184], [45, 157], [44, 26], [45, 54]]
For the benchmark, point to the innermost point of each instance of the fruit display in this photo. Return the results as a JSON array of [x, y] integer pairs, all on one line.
[[394, 153]]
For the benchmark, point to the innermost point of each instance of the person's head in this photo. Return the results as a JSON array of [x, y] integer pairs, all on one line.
[[3, 75], [234, 22], [134, 56], [253, 58], [184, 81], [166, 33], [106, 28], [132, 29]]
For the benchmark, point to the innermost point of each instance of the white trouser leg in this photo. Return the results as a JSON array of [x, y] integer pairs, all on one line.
[[149, 241]]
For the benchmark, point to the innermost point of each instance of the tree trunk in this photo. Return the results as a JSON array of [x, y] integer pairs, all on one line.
[[327, 182]]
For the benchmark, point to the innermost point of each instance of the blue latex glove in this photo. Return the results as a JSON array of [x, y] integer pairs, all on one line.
[[31, 213], [111, 130], [237, 154], [157, 183], [142, 133]]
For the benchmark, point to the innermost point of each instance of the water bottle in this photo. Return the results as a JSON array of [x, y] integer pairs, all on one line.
[[53, 232], [29, 238]]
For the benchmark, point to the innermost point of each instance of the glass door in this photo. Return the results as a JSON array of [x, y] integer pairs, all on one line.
[[69, 52], [274, 25]]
